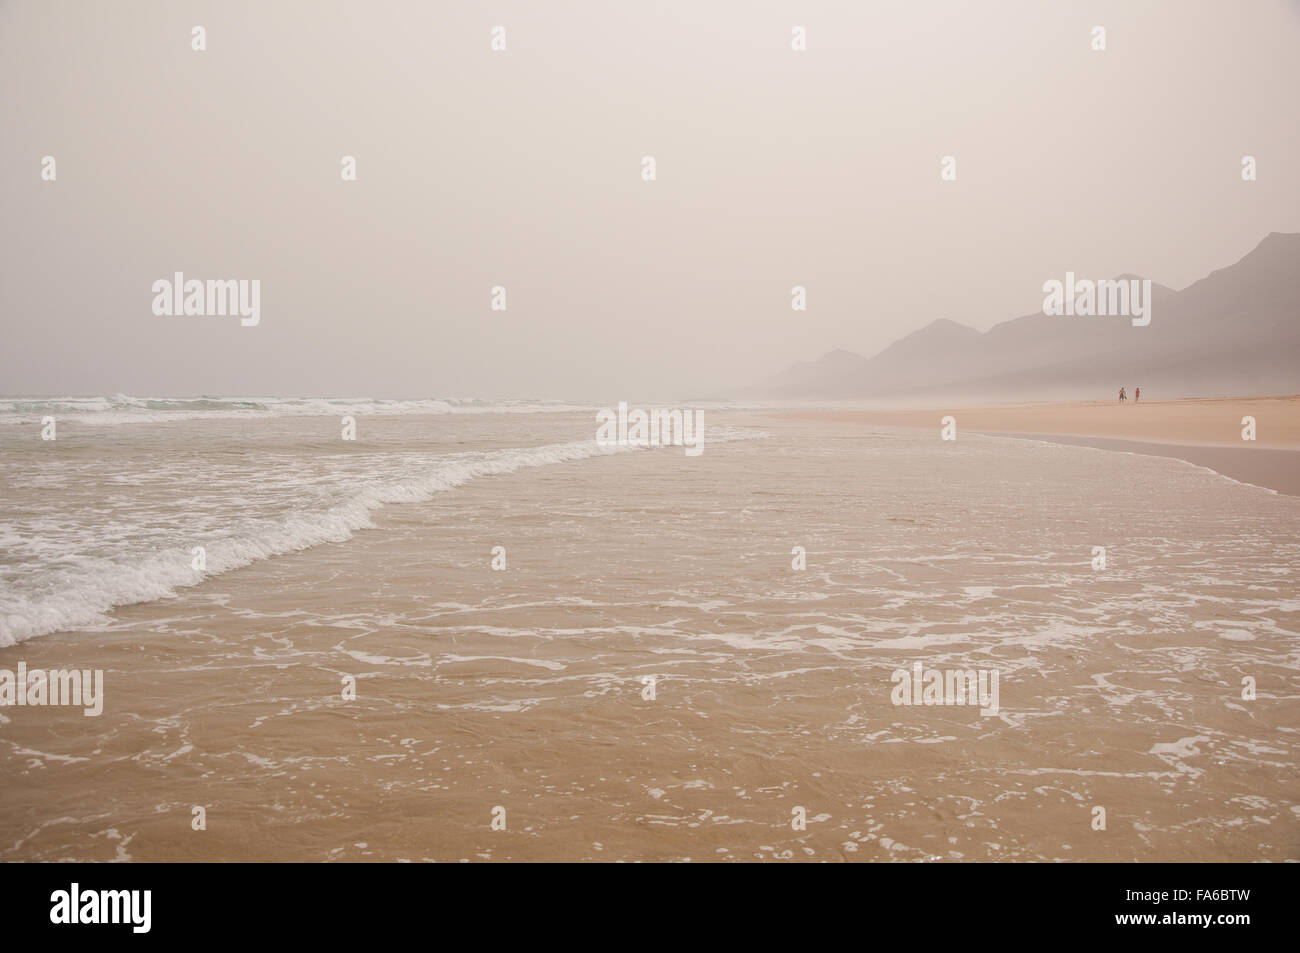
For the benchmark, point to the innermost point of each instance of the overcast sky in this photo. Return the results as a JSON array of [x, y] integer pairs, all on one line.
[[523, 169]]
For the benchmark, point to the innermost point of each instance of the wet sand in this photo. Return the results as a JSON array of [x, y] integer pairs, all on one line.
[[1205, 421], [1259, 466], [525, 689], [1204, 431]]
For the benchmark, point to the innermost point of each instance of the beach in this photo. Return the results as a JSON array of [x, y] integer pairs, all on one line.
[[1203, 431], [649, 676]]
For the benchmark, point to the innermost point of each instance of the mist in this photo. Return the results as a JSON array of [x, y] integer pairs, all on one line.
[[522, 169]]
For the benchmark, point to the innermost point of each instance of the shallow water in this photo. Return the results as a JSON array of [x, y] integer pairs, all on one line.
[[523, 689]]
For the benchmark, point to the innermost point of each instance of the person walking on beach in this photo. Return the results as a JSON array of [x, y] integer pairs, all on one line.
[[1122, 398], [1137, 394]]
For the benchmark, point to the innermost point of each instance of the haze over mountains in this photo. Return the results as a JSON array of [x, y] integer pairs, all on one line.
[[1234, 332]]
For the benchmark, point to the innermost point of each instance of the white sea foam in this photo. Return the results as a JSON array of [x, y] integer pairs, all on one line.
[[123, 409], [74, 590]]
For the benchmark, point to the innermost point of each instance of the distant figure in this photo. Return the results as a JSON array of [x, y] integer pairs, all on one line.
[[1122, 398], [1137, 394]]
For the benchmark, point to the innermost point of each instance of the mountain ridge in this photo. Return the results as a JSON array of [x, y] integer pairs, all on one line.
[[1233, 331]]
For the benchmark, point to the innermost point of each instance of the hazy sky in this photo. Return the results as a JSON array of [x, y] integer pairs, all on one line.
[[523, 169]]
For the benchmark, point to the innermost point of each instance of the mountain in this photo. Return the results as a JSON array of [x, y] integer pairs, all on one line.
[[1236, 331]]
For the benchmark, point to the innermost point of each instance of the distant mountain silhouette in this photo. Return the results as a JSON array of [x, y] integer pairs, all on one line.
[[1236, 331]]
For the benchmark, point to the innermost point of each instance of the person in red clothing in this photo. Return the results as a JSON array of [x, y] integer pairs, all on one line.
[[1137, 394]]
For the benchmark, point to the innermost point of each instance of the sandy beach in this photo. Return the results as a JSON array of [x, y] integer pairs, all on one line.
[[652, 678], [1203, 431]]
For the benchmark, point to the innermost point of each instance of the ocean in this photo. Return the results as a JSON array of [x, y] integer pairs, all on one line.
[[472, 633]]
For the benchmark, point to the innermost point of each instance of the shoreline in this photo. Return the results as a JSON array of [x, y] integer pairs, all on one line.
[[1267, 468], [386, 694], [1190, 421], [1204, 432]]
